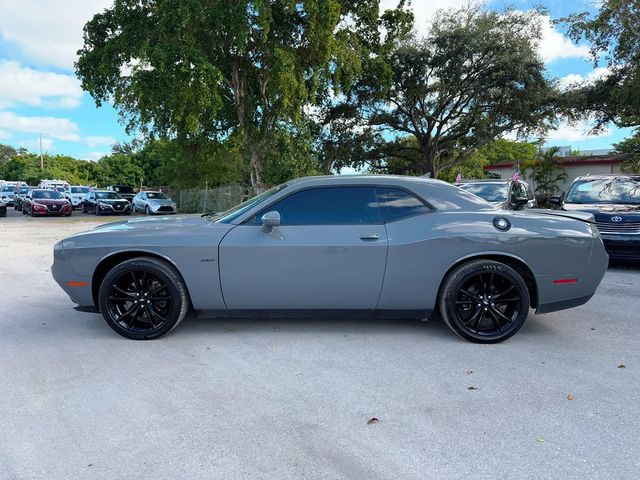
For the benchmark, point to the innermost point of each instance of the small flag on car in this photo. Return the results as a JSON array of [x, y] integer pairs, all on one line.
[[459, 176], [516, 175]]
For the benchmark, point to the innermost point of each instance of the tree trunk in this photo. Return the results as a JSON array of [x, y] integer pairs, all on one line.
[[256, 167]]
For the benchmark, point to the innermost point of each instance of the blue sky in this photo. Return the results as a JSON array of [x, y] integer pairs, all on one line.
[[39, 93]]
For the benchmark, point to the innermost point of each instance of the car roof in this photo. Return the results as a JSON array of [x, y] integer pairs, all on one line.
[[608, 175], [486, 180]]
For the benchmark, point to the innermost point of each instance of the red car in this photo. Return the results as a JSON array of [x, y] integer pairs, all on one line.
[[41, 202]]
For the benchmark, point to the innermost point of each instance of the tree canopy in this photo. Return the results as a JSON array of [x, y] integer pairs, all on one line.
[[209, 69], [473, 78]]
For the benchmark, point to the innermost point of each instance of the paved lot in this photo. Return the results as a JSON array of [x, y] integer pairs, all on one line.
[[291, 398]]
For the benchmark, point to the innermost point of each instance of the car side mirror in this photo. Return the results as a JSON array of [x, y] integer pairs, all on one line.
[[520, 202], [270, 220], [555, 200]]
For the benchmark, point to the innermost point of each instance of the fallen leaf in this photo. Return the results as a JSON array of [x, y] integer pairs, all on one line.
[[592, 328], [570, 397], [373, 420], [469, 372], [622, 365], [472, 388], [542, 439]]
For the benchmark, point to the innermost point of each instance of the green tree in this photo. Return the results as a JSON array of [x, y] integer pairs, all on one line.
[[547, 173], [473, 78], [630, 146], [118, 169], [205, 69], [613, 33]]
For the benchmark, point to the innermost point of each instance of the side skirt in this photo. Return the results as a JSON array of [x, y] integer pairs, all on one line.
[[387, 314]]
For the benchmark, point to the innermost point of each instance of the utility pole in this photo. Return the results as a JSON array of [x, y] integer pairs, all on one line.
[[41, 160]]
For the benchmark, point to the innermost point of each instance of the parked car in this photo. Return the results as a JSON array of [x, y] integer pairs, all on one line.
[[379, 245], [75, 194], [153, 202], [614, 200], [505, 194], [7, 193], [3, 209], [125, 191], [103, 202], [19, 195], [44, 202]]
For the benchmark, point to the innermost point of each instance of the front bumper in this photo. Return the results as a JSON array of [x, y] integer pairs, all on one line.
[[623, 247], [110, 209], [160, 209], [78, 287]]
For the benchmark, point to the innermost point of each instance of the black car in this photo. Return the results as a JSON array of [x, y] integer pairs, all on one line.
[[614, 200], [103, 202], [506, 194], [3, 209], [19, 195], [126, 191]]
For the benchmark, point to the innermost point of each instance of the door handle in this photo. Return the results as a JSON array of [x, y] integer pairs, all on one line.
[[375, 236]]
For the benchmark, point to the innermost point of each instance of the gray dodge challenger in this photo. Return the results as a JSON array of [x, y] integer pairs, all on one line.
[[357, 245]]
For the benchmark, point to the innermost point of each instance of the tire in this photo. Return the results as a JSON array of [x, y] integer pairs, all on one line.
[[97, 212], [468, 305], [117, 297], [147, 211], [84, 210]]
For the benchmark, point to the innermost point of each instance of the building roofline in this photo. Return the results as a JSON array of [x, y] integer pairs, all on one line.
[[569, 161]]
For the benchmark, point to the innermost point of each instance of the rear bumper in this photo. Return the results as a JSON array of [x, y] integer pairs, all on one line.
[[563, 305]]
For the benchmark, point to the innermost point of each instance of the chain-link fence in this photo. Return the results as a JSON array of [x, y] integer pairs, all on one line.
[[216, 199]]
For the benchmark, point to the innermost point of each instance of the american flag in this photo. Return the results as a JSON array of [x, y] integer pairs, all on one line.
[[459, 176], [516, 175]]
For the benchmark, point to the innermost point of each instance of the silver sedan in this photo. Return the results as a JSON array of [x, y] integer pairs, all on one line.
[[153, 203], [360, 245]]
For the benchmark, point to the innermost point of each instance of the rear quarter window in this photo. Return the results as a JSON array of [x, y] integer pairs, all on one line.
[[396, 204]]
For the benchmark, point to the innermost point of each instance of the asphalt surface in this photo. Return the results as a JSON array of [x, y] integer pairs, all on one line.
[[292, 398]]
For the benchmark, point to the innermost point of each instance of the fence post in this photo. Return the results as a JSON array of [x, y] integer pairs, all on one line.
[[204, 202]]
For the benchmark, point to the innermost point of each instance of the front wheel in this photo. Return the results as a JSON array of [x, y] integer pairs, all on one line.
[[143, 298], [484, 301]]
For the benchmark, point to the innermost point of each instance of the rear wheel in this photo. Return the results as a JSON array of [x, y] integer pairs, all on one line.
[[484, 301], [143, 298], [147, 211]]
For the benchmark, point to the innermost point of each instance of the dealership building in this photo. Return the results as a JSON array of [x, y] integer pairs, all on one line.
[[596, 163]]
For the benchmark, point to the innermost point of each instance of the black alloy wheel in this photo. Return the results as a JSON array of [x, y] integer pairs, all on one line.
[[143, 298], [484, 301]]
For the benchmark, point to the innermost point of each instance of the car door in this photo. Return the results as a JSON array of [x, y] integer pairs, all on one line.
[[328, 252], [88, 201]]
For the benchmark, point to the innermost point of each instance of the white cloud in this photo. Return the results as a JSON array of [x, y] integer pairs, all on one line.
[[424, 10], [572, 132], [24, 85], [48, 33], [556, 46], [576, 79], [94, 141], [94, 155], [54, 127], [33, 144], [4, 134]]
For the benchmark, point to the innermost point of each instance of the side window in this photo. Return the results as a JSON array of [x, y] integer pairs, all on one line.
[[396, 204], [328, 206]]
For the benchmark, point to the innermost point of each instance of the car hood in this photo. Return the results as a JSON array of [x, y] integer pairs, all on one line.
[[166, 201], [608, 213], [50, 201], [162, 223]]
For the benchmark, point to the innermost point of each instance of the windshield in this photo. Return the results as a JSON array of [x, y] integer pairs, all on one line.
[[8, 188], [79, 189], [50, 194], [23, 190], [491, 192], [107, 195], [123, 189], [235, 212], [605, 190], [60, 189], [156, 195]]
